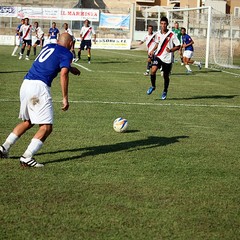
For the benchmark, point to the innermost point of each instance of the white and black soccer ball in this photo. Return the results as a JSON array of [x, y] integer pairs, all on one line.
[[120, 125]]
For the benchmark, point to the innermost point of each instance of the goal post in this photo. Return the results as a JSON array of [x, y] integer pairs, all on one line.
[[215, 34]]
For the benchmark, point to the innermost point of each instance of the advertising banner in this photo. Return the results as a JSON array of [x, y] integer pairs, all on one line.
[[108, 43], [7, 11], [71, 14], [79, 14], [108, 20]]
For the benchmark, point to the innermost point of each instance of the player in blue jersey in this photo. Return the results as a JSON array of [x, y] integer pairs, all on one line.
[[187, 44], [36, 101], [53, 33], [18, 38]]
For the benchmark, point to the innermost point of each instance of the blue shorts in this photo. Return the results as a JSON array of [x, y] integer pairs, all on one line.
[[86, 43]]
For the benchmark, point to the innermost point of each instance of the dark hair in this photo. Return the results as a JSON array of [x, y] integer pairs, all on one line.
[[26, 18], [164, 19], [151, 26], [53, 23], [182, 28]]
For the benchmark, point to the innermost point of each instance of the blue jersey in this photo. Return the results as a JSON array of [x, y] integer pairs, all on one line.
[[186, 39], [49, 63], [53, 33], [17, 30]]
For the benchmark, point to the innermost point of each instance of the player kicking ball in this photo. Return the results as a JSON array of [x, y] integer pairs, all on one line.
[[166, 44], [36, 101]]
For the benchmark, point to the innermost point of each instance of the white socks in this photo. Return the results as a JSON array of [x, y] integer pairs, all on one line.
[[11, 139], [196, 63], [33, 148], [14, 51], [188, 67]]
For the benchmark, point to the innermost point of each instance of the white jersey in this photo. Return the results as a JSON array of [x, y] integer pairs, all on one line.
[[87, 32], [39, 33], [150, 41], [26, 31], [69, 31], [167, 40]]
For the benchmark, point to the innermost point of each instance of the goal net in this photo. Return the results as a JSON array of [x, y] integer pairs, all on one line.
[[215, 34]]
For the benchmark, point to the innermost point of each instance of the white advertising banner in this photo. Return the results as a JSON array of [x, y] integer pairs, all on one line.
[[8, 11], [7, 40], [108, 43], [75, 14], [71, 14]]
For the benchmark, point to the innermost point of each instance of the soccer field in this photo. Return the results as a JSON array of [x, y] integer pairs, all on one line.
[[173, 175]]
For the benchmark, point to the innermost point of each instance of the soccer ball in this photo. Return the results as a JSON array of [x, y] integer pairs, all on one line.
[[120, 125]]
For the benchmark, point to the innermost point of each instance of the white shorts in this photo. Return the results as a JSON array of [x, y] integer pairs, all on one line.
[[188, 54], [17, 41], [36, 102]]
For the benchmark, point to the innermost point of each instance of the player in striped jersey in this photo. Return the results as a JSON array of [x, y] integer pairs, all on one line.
[[150, 43], [86, 34], [166, 44], [26, 30], [40, 38]]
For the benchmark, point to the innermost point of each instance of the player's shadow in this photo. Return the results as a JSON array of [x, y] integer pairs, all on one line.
[[206, 97], [148, 143], [17, 71]]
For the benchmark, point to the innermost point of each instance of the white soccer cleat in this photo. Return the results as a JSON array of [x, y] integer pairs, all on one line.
[[20, 56], [27, 58], [29, 162], [14, 55], [89, 62]]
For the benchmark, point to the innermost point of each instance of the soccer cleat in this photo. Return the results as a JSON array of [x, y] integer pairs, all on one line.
[[182, 64], [14, 55], [20, 56], [3, 152], [27, 58], [150, 90], [76, 59], [161, 73], [189, 71], [164, 95], [29, 162], [89, 62], [146, 73], [200, 66]]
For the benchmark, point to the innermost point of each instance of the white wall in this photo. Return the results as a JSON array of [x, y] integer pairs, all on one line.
[[219, 5]]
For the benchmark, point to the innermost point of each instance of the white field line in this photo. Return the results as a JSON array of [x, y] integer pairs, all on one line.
[[141, 103], [89, 70]]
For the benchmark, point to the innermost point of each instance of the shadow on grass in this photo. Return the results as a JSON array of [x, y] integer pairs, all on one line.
[[17, 71], [148, 143], [195, 72], [206, 97]]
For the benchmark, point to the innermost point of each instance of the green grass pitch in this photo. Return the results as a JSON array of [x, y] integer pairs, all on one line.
[[173, 175]]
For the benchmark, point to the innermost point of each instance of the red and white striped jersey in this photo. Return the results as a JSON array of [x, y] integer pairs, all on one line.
[[87, 32], [167, 40], [149, 39], [26, 31]]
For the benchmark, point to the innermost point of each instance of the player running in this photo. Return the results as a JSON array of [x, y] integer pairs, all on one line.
[[150, 43], [166, 44], [18, 40], [187, 44], [40, 38], [86, 34], [26, 30], [36, 101]]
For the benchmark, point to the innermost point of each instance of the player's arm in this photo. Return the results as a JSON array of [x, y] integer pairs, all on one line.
[[154, 49], [175, 48], [189, 44], [94, 38], [64, 79]]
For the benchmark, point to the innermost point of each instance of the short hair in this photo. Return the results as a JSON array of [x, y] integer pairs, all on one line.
[[26, 18], [87, 21], [183, 28], [164, 19], [65, 24], [36, 22], [151, 26], [53, 23]]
